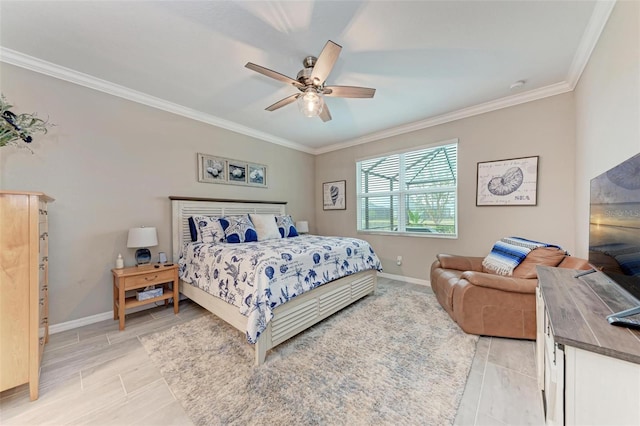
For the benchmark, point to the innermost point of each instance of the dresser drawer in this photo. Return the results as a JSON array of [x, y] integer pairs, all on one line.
[[138, 281], [43, 301], [43, 213], [43, 245], [43, 271]]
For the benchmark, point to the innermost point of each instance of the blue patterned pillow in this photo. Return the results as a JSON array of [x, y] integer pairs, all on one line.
[[209, 229], [286, 227], [238, 229], [193, 230]]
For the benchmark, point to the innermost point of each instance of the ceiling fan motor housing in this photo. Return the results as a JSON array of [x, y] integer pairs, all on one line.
[[304, 76]]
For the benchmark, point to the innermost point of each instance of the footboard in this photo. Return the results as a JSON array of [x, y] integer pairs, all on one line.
[[310, 308]]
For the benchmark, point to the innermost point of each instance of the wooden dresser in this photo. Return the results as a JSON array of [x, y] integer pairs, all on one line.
[[588, 370], [24, 275]]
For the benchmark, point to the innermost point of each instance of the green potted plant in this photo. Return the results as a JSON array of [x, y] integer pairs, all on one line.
[[16, 128]]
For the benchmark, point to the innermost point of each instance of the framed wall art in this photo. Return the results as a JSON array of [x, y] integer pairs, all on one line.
[[257, 175], [512, 182], [213, 169], [237, 172], [334, 195]]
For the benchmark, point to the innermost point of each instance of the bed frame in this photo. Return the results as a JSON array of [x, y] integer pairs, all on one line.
[[290, 318]]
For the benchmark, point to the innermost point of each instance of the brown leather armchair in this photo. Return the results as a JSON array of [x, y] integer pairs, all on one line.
[[487, 304]]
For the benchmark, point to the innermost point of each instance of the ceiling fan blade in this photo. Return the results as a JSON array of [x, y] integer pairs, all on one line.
[[270, 73], [325, 62], [325, 115], [283, 102], [349, 92]]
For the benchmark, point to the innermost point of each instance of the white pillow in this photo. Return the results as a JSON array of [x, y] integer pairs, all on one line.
[[266, 226]]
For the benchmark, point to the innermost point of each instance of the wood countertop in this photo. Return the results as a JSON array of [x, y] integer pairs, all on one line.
[[578, 310]]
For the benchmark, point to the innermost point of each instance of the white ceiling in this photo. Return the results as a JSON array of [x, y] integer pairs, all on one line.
[[430, 61]]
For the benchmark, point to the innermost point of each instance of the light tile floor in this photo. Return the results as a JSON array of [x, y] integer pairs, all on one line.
[[100, 376], [502, 388]]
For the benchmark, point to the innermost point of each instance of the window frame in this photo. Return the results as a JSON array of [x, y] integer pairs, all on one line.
[[402, 193]]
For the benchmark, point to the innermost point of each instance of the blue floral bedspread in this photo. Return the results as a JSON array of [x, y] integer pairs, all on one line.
[[256, 277]]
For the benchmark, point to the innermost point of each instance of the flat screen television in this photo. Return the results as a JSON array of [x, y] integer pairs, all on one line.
[[614, 228]]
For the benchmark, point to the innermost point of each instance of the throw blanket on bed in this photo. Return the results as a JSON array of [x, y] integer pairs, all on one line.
[[258, 276], [508, 253]]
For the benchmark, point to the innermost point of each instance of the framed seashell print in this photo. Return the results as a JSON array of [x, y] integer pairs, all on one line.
[[212, 169], [512, 182], [257, 175], [334, 195]]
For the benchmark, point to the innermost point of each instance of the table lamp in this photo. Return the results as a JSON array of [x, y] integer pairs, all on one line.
[[141, 238], [302, 226]]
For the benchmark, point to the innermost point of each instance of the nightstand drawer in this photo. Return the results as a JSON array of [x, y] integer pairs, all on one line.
[[148, 279]]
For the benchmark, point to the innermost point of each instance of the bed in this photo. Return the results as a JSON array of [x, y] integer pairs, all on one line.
[[288, 319]]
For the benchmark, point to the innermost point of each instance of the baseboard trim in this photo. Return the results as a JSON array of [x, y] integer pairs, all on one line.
[[81, 322], [405, 279]]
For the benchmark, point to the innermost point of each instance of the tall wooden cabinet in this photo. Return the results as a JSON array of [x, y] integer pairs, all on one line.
[[24, 280]]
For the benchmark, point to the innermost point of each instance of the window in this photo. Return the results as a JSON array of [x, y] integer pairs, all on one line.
[[410, 193]]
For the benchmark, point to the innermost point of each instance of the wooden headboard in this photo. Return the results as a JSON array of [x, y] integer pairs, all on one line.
[[184, 207]]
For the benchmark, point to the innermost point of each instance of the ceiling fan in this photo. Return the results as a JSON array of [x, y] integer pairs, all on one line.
[[311, 84]]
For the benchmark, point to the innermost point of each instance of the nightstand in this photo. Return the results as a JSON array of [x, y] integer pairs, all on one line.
[[137, 277]]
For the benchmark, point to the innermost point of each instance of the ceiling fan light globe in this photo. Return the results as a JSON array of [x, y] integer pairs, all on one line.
[[310, 103]]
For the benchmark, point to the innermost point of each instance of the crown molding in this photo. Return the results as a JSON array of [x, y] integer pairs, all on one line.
[[520, 98], [18, 59], [599, 17]]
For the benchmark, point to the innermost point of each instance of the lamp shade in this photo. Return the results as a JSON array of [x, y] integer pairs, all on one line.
[[302, 226], [310, 103], [142, 237]]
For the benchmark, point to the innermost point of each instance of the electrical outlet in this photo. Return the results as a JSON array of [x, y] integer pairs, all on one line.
[[399, 260]]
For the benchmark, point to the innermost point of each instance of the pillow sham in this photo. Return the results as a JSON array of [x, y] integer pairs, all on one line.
[[266, 226], [209, 228], [286, 227], [238, 229]]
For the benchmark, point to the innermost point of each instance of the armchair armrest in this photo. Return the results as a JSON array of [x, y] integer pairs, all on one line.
[[500, 282], [460, 263]]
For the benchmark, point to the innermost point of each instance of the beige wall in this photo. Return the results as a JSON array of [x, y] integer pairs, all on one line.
[[607, 107], [111, 164], [544, 128]]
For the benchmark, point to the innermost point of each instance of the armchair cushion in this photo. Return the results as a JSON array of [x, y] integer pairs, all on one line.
[[460, 263], [500, 282], [543, 256]]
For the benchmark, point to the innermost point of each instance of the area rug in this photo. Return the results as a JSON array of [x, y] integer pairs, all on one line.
[[394, 357]]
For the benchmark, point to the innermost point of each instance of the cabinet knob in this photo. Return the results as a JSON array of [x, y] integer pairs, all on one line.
[[151, 279], [42, 266], [45, 258], [44, 235], [42, 301]]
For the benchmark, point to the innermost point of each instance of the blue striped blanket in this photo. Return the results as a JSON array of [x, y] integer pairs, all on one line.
[[508, 253]]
